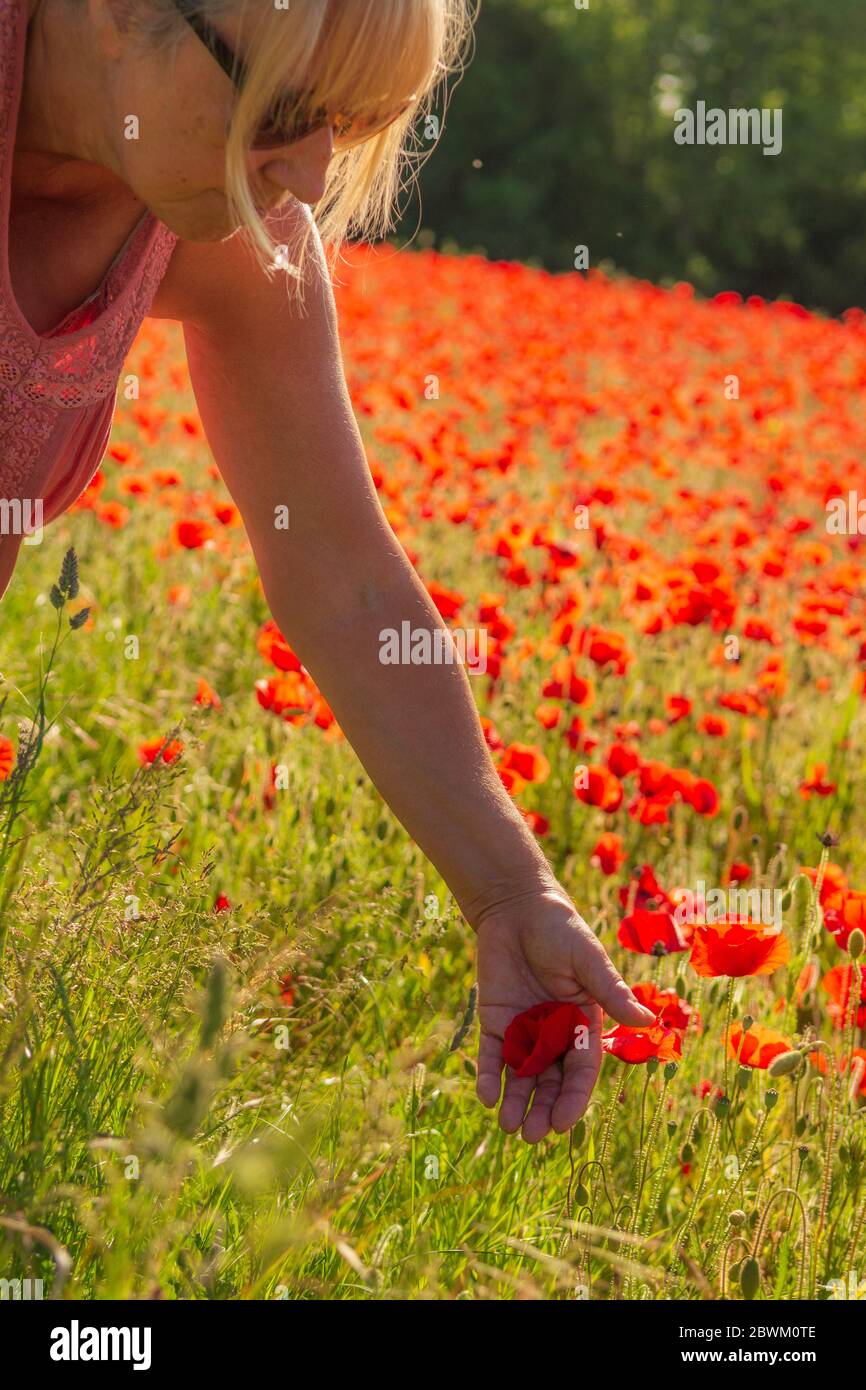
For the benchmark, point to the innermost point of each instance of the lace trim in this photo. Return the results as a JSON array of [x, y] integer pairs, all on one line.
[[39, 379]]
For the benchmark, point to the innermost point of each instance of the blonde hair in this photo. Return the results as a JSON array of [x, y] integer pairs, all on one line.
[[343, 54]]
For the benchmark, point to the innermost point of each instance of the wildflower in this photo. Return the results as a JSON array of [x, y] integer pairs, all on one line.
[[540, 1036], [636, 1045], [735, 947], [7, 758], [651, 933], [755, 1047]]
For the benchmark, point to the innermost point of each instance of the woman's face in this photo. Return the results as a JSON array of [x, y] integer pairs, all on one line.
[[176, 165]]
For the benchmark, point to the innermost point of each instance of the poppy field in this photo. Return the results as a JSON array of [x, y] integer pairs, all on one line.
[[237, 1008]]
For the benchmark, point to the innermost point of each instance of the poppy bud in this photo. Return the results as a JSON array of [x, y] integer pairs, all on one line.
[[800, 1126], [787, 900], [581, 1196], [687, 1153], [737, 1218], [786, 1064], [750, 1278], [579, 1133], [856, 942], [680, 987], [770, 1098]]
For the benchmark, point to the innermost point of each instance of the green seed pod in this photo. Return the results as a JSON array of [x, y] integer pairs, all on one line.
[[744, 1076], [737, 1218], [770, 1098], [722, 1105], [670, 1071], [672, 1129], [786, 1064], [652, 1066], [856, 942], [750, 1278], [803, 1151], [747, 1022]]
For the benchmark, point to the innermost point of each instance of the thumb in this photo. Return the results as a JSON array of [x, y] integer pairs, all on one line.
[[595, 969]]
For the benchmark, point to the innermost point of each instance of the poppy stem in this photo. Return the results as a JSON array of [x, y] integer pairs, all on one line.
[[828, 1173], [729, 1009]]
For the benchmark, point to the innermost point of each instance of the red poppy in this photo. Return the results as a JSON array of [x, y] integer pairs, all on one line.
[[736, 947], [648, 891], [855, 1064], [635, 1045], [602, 788], [191, 535], [678, 707], [152, 748], [608, 854], [540, 1036], [7, 758], [206, 696], [834, 883], [525, 761], [739, 873], [221, 903], [566, 684], [817, 784], [848, 911], [838, 983], [651, 933], [757, 1047], [447, 601], [670, 1010], [273, 647]]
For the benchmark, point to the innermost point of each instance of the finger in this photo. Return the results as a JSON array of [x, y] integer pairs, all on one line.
[[580, 1070], [515, 1099], [488, 1083], [596, 970], [537, 1122]]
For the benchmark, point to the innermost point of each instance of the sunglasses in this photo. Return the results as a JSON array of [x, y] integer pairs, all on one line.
[[290, 119]]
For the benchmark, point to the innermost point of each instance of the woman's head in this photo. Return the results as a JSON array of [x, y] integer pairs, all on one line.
[[185, 136]]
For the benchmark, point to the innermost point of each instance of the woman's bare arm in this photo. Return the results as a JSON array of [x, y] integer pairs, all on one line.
[[271, 392]]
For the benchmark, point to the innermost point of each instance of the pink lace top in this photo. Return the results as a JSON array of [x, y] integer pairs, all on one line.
[[57, 390]]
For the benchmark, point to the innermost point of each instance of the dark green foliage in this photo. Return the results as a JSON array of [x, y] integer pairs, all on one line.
[[562, 108]]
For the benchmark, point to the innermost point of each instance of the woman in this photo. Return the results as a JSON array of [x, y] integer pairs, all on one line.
[[162, 127]]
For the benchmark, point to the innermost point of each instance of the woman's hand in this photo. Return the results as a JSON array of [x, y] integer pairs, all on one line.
[[531, 950]]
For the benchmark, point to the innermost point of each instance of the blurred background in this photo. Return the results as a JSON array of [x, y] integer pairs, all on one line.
[[562, 133]]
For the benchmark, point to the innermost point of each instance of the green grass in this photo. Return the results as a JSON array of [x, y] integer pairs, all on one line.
[[170, 1127]]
